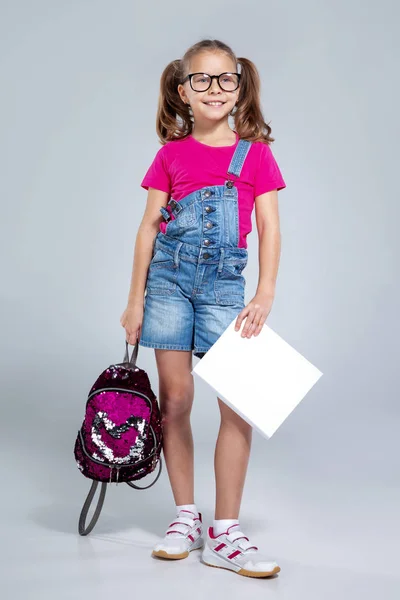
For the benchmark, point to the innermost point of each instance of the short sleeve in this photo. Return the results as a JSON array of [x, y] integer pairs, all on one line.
[[268, 176], [157, 175]]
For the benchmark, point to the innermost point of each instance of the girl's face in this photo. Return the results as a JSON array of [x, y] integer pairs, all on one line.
[[211, 63]]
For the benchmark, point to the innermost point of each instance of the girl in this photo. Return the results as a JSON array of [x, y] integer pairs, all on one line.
[[205, 180]]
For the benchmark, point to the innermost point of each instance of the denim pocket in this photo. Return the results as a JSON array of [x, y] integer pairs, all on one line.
[[187, 216], [162, 274], [229, 285]]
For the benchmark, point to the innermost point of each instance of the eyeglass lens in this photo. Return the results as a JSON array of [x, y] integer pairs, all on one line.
[[228, 82]]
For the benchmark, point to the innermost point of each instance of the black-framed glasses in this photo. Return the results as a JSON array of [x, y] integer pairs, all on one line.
[[201, 82]]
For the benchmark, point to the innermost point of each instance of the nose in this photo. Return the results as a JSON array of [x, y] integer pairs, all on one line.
[[215, 86]]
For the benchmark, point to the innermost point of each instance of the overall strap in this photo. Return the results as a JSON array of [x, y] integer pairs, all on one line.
[[238, 158]]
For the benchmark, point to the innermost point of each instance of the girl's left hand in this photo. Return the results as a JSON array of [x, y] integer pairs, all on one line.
[[256, 311]]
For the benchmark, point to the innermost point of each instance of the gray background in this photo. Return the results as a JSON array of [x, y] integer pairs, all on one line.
[[79, 90]]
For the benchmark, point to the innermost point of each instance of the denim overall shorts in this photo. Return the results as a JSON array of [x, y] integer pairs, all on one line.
[[195, 287]]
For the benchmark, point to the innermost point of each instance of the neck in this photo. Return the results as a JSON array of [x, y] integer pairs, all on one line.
[[214, 132]]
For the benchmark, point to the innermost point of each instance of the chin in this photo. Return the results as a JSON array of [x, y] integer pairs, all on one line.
[[219, 114]]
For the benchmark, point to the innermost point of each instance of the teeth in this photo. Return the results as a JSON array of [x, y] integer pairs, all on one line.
[[215, 103]]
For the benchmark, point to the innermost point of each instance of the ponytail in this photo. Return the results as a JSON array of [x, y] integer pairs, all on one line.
[[171, 106]]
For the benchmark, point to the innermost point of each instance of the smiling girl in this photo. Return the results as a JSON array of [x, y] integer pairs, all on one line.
[[187, 284]]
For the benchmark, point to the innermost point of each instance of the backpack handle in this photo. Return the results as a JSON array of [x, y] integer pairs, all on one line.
[[135, 351]]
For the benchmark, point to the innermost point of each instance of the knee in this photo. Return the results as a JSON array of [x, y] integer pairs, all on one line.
[[176, 406]]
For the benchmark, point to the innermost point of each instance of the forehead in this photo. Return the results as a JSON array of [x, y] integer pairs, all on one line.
[[212, 63]]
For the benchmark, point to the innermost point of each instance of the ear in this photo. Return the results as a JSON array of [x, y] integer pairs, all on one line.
[[181, 92]]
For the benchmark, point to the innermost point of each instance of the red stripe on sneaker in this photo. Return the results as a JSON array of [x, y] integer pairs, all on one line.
[[219, 547], [191, 537], [199, 530], [234, 554]]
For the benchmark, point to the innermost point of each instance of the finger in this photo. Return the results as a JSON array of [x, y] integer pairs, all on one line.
[[252, 326], [257, 317], [240, 318], [248, 322], [133, 337], [260, 325]]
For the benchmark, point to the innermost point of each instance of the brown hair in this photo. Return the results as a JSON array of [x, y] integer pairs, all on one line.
[[248, 117]]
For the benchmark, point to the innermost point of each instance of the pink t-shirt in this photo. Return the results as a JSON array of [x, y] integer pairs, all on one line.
[[181, 167]]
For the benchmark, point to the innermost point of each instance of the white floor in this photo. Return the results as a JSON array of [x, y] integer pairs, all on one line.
[[335, 535]]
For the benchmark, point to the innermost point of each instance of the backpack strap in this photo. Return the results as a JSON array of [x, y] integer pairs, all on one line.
[[151, 484], [83, 530], [133, 358]]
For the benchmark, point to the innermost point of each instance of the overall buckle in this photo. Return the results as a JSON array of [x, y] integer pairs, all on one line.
[[175, 206], [165, 213], [175, 209]]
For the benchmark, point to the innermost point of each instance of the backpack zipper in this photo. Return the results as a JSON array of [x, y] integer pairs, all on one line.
[[110, 465], [111, 470], [114, 389]]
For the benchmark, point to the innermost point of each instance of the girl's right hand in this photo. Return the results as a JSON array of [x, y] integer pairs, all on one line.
[[131, 320]]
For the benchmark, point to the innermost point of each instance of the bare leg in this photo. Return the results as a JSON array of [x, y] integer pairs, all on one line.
[[231, 459], [176, 392]]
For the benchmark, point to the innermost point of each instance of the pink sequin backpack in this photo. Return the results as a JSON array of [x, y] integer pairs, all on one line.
[[120, 439]]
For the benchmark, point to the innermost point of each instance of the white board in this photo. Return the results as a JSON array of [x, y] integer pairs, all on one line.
[[261, 378]]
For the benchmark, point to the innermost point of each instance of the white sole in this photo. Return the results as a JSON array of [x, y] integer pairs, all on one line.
[[211, 559]]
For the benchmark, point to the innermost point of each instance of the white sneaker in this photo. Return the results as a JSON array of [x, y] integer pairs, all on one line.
[[233, 550], [183, 535]]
